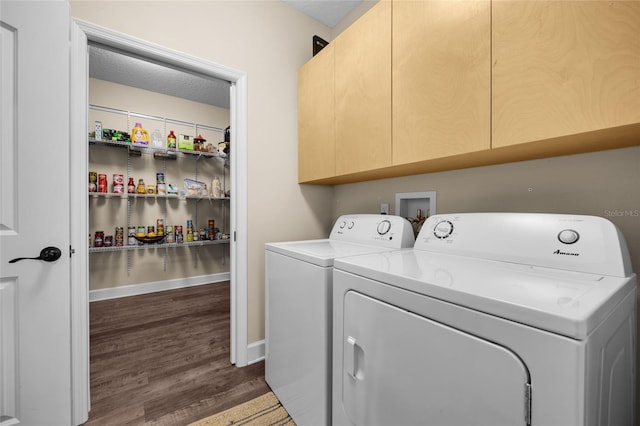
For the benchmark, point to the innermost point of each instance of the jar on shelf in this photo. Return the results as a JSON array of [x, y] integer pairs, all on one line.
[[141, 188], [98, 240], [93, 182], [131, 186]]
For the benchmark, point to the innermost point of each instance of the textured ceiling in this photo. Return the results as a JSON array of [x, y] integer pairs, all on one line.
[[329, 12], [116, 67]]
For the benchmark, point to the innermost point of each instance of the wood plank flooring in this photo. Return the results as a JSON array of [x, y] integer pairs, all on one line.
[[163, 358]]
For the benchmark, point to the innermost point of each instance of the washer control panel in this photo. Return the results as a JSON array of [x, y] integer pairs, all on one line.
[[443, 229], [568, 236], [572, 242], [383, 230]]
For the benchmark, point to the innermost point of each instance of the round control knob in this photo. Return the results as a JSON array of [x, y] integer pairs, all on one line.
[[568, 236], [351, 224], [384, 227], [343, 224], [443, 229]]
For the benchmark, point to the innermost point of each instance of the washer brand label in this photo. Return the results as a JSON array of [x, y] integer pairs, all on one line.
[[565, 253]]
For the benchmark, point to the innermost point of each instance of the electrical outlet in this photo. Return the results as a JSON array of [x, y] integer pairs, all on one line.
[[384, 208]]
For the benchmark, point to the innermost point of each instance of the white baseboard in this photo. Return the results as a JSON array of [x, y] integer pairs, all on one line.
[[255, 352], [152, 287]]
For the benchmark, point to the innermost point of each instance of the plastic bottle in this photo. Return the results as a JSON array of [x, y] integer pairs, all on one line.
[[171, 140], [139, 136], [156, 139]]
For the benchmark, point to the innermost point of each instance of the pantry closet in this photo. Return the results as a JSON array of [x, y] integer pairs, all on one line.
[[148, 269], [179, 195]]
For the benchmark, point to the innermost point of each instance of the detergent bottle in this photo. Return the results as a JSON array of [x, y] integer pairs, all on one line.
[[139, 136]]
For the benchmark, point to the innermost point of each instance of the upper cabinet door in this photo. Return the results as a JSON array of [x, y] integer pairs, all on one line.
[[564, 67], [441, 79], [316, 118], [363, 92]]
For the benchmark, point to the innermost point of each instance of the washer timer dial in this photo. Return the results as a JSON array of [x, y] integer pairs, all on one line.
[[384, 227], [443, 229]]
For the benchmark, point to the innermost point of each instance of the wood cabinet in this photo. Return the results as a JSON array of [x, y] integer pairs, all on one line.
[[316, 117], [363, 92], [425, 86], [563, 68], [441, 79]]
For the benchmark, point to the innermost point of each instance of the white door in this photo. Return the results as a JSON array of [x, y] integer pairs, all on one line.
[[403, 369], [35, 377]]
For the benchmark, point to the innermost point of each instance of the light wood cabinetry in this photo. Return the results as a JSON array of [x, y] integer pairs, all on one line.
[[363, 92], [425, 86], [563, 68], [441, 79], [316, 117]]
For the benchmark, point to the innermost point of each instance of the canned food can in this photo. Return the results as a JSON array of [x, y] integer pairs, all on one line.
[[108, 241], [102, 183], [170, 235], [179, 237], [119, 236], [118, 183], [161, 189], [151, 189], [159, 177], [151, 229], [178, 229]]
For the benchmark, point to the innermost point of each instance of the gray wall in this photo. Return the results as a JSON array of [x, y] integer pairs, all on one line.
[[605, 183]]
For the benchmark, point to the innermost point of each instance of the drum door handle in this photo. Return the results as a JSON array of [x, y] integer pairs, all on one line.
[[354, 359], [48, 254]]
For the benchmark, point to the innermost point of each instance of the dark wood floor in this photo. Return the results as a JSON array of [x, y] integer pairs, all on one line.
[[163, 359]]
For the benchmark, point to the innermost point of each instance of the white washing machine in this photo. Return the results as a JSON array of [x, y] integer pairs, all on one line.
[[492, 319], [298, 308]]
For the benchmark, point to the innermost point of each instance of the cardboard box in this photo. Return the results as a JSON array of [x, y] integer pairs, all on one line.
[[185, 142]]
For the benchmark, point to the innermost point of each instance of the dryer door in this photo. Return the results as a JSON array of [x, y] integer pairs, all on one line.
[[403, 369]]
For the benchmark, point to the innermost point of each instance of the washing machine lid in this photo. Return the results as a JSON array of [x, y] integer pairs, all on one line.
[[563, 302], [322, 252], [351, 235]]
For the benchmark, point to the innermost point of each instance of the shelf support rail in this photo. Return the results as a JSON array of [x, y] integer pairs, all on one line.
[[154, 117]]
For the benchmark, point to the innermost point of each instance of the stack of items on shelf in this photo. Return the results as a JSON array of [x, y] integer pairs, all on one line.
[[155, 234], [98, 183], [140, 136]]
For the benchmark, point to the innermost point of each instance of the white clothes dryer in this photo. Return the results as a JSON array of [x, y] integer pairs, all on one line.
[[491, 319], [298, 315]]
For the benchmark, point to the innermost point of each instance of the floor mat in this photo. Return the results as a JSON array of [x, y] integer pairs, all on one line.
[[261, 411]]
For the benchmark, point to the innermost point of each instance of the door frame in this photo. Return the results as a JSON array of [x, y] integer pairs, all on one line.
[[82, 33]]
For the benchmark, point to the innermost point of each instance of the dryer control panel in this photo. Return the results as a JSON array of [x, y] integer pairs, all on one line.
[[375, 229], [573, 242]]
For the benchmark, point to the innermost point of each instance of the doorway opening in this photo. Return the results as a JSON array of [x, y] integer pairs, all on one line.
[[86, 36]]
